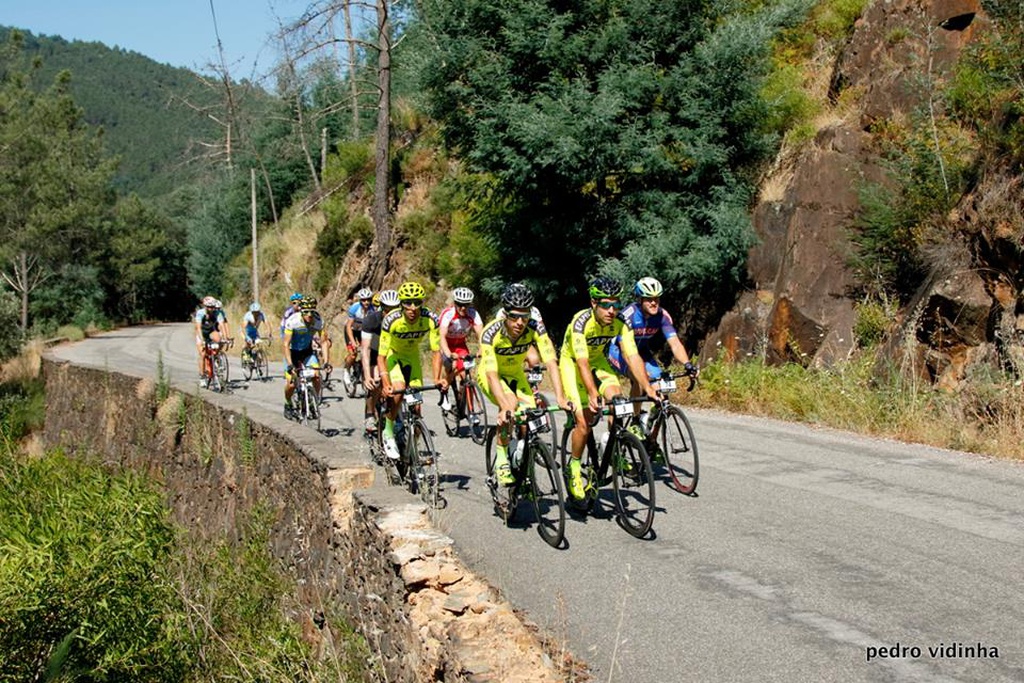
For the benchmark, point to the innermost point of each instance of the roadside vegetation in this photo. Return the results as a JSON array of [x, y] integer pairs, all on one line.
[[98, 583]]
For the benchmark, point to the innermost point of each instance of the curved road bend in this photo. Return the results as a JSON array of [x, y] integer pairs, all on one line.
[[809, 555]]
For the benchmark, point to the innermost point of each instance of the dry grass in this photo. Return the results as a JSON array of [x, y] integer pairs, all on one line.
[[25, 366], [986, 416]]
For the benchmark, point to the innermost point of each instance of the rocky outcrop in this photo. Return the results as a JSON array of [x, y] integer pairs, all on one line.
[[801, 305], [352, 548]]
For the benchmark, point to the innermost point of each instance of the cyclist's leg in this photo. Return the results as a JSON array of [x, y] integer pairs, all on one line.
[[369, 406]]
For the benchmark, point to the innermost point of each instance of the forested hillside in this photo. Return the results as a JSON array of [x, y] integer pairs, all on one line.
[[154, 116]]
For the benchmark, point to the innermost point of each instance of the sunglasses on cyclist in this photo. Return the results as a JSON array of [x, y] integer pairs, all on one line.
[[412, 303], [517, 315], [609, 304]]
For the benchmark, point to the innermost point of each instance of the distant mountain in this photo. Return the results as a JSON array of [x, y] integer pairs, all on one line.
[[141, 105]]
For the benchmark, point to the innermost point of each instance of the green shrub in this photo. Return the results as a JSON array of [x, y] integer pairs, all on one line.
[[11, 337], [82, 591]]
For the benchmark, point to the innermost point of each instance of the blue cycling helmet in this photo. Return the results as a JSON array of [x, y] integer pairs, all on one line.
[[295, 297]]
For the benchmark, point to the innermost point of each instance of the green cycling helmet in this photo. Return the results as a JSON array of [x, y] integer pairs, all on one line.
[[604, 287]]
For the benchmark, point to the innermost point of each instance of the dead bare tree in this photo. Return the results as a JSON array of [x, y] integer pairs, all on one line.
[[25, 276], [317, 31]]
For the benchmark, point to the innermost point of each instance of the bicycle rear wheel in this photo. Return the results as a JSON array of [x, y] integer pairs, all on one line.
[[221, 370], [680, 450], [353, 379], [476, 413], [633, 483], [546, 490], [542, 402]]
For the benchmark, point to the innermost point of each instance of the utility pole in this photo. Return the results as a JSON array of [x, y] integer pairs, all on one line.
[[255, 251]]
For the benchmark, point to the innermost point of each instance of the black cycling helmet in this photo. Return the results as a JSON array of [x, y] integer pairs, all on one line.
[[516, 295], [308, 303], [604, 287]]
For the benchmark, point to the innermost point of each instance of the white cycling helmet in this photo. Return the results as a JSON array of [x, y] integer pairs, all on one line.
[[255, 307], [648, 288], [209, 302], [389, 298], [463, 295], [364, 293]]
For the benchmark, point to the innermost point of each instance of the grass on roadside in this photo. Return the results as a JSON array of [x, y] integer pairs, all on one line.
[[986, 416]]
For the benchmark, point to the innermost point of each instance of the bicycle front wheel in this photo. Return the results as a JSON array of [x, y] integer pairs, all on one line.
[[262, 365], [633, 482], [424, 477], [476, 413], [546, 491], [451, 416], [504, 504], [680, 450], [248, 365], [221, 370]]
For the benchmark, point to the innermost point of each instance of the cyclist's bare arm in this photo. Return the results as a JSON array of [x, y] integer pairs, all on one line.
[[350, 337], [678, 350], [556, 379], [444, 339], [439, 376], [369, 381]]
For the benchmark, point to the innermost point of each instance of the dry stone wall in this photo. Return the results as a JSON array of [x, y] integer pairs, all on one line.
[[365, 551]]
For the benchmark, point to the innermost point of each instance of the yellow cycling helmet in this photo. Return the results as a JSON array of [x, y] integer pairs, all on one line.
[[411, 290]]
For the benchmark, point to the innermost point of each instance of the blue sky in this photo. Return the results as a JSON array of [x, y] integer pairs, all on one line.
[[175, 32]]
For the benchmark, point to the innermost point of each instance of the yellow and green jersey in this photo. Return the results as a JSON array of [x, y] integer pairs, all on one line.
[[399, 337], [501, 354], [586, 337]]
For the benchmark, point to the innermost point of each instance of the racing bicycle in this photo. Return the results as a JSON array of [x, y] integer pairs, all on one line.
[[416, 467], [216, 369], [535, 469], [306, 400], [669, 438], [255, 360], [469, 404], [621, 460]]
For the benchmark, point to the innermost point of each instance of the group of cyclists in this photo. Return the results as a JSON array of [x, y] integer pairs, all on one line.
[[384, 331]]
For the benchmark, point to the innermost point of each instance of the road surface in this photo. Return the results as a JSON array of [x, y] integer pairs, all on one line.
[[809, 554]]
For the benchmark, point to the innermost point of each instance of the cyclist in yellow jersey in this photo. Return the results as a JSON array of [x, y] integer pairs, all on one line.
[[587, 376], [503, 346], [398, 353]]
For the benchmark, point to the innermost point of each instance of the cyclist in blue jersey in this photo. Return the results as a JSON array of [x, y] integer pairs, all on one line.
[[300, 329], [293, 307], [354, 327], [253, 322], [647, 319]]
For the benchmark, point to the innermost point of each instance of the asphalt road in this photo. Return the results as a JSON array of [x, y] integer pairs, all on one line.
[[807, 555]]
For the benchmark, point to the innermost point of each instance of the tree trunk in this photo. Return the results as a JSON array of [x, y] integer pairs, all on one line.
[[350, 40], [382, 151]]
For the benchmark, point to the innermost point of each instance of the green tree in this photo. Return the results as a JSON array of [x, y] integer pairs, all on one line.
[[55, 184], [607, 133]]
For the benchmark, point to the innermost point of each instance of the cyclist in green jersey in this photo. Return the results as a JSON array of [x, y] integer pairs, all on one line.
[[503, 346], [398, 353], [587, 376]]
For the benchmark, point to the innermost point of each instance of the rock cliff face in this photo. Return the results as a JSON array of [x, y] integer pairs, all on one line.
[[800, 308]]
